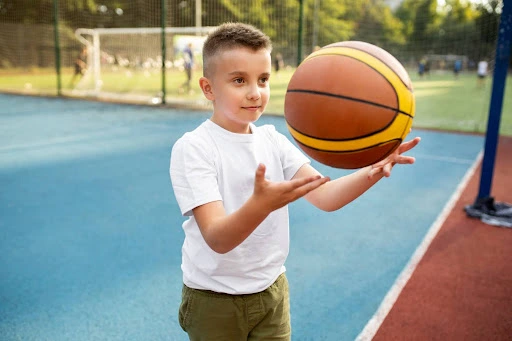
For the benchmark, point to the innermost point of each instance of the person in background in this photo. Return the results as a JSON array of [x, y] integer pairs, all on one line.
[[428, 64], [188, 58], [80, 66], [421, 67], [278, 63], [457, 67], [481, 73]]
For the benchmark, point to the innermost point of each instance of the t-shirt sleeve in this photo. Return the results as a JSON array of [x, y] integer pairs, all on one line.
[[292, 158], [193, 175]]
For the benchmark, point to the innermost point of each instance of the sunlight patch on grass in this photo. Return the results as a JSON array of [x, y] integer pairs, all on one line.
[[435, 84], [442, 101], [429, 92]]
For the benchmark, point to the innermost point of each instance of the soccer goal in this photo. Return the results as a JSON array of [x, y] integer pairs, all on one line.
[[127, 63]]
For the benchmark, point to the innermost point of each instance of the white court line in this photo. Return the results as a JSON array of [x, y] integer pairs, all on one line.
[[76, 138], [389, 300], [444, 158]]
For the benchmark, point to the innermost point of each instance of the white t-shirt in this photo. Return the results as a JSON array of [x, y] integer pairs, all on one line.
[[211, 164], [482, 68]]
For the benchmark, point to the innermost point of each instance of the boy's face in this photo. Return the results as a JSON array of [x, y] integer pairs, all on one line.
[[238, 86]]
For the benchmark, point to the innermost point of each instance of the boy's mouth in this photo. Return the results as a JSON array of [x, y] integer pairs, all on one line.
[[252, 108]]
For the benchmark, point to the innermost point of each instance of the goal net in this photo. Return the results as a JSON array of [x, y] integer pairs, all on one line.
[[127, 63]]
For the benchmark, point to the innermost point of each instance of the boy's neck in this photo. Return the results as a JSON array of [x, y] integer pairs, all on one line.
[[232, 126]]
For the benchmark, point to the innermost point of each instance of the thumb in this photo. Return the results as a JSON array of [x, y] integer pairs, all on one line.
[[260, 173]]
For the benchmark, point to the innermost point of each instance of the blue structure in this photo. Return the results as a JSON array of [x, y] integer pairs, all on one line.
[[484, 205], [503, 47]]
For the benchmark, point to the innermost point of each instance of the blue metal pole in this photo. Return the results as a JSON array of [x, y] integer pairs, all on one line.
[[502, 60]]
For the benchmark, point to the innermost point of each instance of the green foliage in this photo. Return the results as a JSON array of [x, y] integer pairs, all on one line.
[[459, 11], [375, 23], [425, 25], [414, 29], [418, 24], [458, 30], [331, 21], [487, 24], [406, 14]]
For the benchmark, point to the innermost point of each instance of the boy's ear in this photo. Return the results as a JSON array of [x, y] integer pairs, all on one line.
[[206, 86]]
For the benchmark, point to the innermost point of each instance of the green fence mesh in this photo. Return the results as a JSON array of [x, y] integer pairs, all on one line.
[[123, 60]]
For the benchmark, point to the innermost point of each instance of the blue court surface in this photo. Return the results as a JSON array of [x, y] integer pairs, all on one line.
[[90, 233]]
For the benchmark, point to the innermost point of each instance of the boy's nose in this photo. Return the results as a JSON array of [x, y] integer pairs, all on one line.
[[253, 93]]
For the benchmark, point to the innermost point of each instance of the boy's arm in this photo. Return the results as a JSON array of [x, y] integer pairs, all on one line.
[[337, 193], [223, 232]]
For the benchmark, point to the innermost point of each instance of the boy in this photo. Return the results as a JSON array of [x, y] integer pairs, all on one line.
[[234, 181]]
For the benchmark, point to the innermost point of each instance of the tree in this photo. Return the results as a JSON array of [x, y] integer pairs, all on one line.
[[328, 21], [375, 23], [457, 33], [487, 24]]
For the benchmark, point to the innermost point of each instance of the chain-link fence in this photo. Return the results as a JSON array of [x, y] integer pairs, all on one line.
[[133, 50]]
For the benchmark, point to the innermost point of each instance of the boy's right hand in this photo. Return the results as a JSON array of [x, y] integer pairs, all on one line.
[[274, 195], [223, 232]]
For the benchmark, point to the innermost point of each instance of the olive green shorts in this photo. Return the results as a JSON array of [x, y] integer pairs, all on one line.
[[208, 315]]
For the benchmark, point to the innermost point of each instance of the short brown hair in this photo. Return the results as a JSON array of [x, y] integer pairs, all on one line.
[[231, 35]]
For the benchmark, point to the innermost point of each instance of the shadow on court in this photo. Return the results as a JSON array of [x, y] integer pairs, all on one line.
[[90, 233]]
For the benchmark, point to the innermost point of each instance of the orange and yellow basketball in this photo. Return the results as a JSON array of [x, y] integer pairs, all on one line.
[[349, 104]]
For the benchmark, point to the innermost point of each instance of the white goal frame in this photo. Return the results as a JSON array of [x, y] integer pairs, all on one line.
[[93, 44]]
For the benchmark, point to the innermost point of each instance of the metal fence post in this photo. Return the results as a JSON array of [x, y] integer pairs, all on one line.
[[164, 49], [301, 28], [57, 45]]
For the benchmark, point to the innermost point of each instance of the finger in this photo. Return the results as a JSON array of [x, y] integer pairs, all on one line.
[[296, 183], [260, 173], [405, 160], [412, 142], [406, 146], [374, 171], [309, 186], [382, 163], [387, 169]]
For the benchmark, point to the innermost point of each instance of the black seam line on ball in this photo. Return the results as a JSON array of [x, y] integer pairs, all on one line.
[[313, 92], [362, 61], [348, 138], [343, 139], [348, 151]]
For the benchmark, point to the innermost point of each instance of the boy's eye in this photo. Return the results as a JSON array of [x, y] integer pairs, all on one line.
[[239, 80], [264, 80]]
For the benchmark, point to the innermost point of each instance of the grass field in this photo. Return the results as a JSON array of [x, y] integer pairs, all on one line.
[[442, 102]]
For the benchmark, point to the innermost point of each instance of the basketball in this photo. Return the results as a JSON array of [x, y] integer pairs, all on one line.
[[349, 104]]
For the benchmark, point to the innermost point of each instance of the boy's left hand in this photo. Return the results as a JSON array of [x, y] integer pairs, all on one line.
[[384, 167]]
